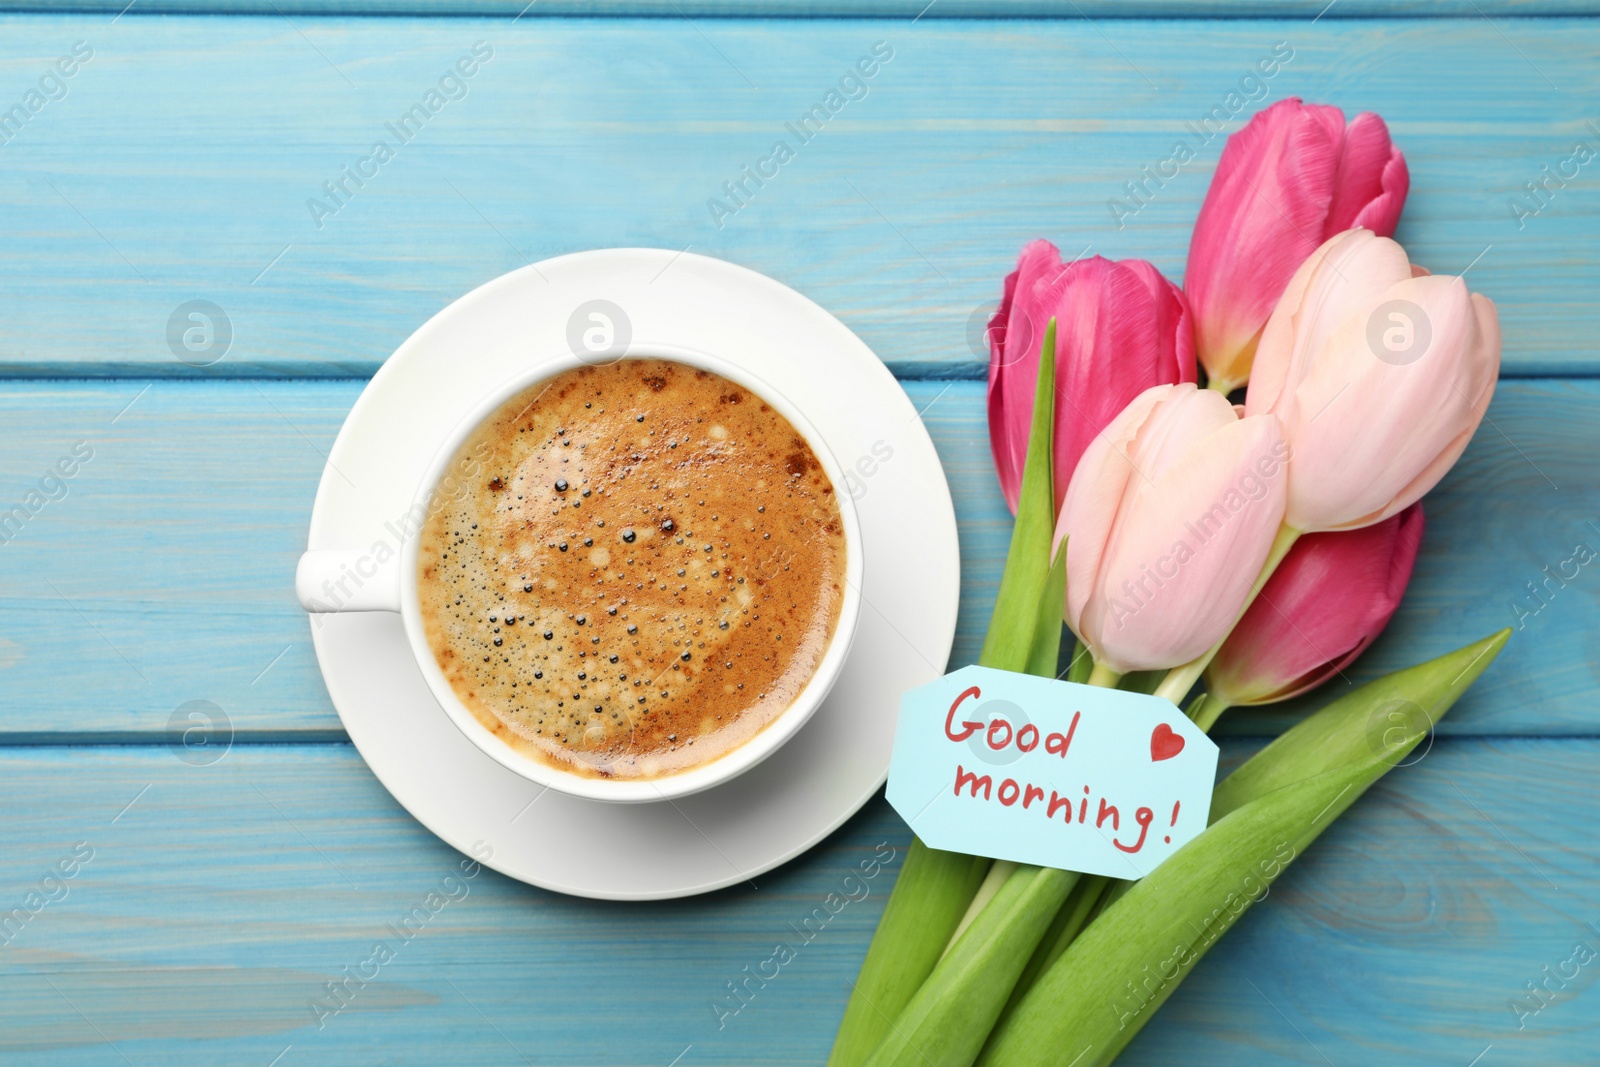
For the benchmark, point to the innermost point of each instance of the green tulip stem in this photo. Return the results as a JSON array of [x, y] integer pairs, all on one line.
[[1104, 676], [998, 873], [1206, 709], [1179, 680], [1068, 923], [1223, 385]]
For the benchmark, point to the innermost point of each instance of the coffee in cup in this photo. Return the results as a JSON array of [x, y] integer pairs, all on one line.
[[644, 571]]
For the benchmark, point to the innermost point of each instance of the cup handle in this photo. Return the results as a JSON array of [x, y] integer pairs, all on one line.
[[328, 581]]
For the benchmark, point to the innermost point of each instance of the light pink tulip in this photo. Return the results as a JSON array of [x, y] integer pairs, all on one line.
[[1327, 601], [1169, 518], [1292, 178], [1120, 328], [1378, 377]]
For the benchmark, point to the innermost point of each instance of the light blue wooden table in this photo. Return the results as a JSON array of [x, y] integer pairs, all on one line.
[[213, 898]]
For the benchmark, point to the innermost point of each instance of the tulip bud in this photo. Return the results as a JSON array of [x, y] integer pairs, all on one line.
[[1168, 519], [1327, 601], [1120, 329], [1292, 178], [1378, 377]]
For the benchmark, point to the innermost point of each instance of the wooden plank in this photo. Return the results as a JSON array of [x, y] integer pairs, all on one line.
[[164, 574], [944, 9], [166, 571], [219, 900], [902, 214]]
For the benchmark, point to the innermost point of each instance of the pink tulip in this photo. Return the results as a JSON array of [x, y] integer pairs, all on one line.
[[1168, 520], [1327, 601], [1292, 178], [1378, 377], [1120, 328]]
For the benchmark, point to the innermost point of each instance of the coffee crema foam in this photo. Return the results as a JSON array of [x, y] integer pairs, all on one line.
[[645, 573]]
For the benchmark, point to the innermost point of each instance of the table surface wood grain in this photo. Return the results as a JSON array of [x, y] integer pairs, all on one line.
[[215, 898]]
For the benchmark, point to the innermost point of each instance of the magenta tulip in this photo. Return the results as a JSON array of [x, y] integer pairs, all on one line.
[[1327, 601], [1379, 378], [1168, 520], [1120, 329], [1293, 177]]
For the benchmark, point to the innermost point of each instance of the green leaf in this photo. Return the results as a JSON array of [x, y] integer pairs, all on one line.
[[946, 1022], [1064, 929], [929, 898], [1010, 640], [935, 888], [1087, 1006], [1047, 625], [1141, 681], [1392, 712]]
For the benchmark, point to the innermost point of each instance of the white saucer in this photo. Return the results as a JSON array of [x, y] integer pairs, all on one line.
[[826, 771]]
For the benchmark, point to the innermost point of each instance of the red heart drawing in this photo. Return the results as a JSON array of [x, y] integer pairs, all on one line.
[[1164, 744]]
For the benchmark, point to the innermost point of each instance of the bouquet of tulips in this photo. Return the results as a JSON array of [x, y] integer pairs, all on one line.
[[1255, 548]]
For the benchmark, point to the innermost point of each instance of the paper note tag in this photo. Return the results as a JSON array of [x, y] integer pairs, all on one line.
[[1052, 773]]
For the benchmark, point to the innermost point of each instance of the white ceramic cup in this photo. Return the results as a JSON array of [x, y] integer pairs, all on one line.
[[328, 581]]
